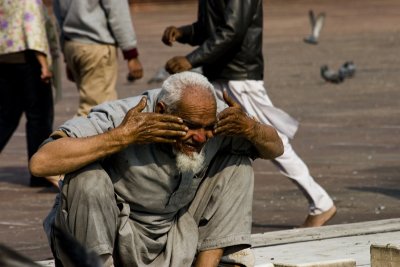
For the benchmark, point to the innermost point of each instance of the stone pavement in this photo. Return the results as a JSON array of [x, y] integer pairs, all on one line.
[[349, 132]]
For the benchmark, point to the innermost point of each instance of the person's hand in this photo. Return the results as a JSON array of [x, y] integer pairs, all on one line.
[[135, 69], [233, 121], [178, 64], [46, 75], [144, 128], [171, 35]]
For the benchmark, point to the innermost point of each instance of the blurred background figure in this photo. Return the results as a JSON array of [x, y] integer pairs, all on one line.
[[91, 30], [26, 49], [228, 36]]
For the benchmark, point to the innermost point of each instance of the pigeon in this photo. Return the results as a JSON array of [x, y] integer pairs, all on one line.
[[316, 27], [159, 77], [347, 70], [331, 76], [163, 74]]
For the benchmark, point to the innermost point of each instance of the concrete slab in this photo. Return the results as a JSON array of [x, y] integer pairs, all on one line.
[[324, 244], [334, 263]]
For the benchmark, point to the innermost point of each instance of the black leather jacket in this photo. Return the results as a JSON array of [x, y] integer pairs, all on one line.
[[229, 36]]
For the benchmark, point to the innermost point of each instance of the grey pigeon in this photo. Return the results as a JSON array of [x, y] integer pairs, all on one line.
[[347, 70], [331, 76], [163, 74], [159, 77], [316, 27]]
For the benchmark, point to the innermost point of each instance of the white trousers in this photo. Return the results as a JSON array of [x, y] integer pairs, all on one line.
[[254, 99]]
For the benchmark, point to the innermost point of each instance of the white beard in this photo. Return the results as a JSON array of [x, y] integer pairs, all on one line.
[[193, 163]]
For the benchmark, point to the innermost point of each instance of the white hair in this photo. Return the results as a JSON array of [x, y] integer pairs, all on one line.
[[174, 85]]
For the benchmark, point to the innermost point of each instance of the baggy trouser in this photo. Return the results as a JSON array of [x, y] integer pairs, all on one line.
[[219, 216], [252, 96]]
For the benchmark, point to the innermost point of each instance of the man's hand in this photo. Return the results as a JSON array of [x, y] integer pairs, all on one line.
[[178, 64], [233, 121], [144, 128], [171, 35], [135, 69]]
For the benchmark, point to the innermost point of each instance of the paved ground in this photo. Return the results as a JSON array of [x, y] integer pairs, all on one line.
[[349, 133]]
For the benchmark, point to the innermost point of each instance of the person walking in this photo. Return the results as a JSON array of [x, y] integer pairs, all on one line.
[[228, 36], [91, 31], [25, 74]]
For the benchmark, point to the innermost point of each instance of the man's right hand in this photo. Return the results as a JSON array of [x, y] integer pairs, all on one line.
[[143, 127], [171, 35]]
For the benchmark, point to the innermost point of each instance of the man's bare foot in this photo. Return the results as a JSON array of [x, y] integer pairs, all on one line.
[[320, 219]]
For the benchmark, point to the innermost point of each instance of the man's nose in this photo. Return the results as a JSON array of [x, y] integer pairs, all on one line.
[[202, 135]]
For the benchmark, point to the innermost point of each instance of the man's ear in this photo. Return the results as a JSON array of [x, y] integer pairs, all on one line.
[[161, 107]]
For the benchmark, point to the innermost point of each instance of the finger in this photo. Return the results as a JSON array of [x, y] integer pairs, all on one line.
[[165, 133], [169, 118], [141, 105], [229, 100]]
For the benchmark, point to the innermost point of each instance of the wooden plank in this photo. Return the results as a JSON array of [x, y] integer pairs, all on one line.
[[325, 232]]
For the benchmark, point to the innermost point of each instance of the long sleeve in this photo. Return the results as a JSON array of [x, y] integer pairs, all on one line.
[[120, 23], [235, 18]]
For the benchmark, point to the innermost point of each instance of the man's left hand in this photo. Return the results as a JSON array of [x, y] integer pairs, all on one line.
[[135, 69], [178, 64], [233, 121]]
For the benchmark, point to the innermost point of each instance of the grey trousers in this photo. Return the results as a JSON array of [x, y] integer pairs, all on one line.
[[218, 217]]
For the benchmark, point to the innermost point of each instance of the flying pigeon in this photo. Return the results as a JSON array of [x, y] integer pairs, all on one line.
[[316, 27]]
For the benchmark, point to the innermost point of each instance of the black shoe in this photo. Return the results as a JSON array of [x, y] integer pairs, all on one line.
[[39, 182]]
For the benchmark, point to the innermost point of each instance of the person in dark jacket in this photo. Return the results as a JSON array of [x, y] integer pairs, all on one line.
[[228, 36]]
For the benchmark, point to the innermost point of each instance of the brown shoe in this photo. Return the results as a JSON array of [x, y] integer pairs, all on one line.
[[320, 219]]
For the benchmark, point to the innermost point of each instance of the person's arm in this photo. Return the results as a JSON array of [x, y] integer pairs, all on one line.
[[236, 18], [233, 121], [120, 23], [46, 74], [68, 154]]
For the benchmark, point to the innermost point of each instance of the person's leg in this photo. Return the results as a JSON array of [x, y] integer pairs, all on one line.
[[39, 111], [10, 101], [88, 210], [321, 206], [222, 208], [94, 68], [253, 98]]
